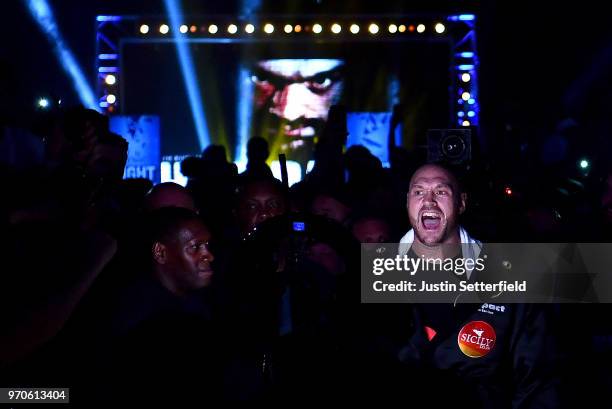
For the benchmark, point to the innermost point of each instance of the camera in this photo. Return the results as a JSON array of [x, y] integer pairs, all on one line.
[[451, 146]]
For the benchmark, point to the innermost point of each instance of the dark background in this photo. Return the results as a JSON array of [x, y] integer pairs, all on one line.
[[537, 66]]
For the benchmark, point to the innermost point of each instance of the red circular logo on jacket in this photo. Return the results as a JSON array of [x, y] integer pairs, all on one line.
[[476, 339]]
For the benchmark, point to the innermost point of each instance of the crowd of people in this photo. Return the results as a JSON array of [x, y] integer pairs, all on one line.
[[239, 289]]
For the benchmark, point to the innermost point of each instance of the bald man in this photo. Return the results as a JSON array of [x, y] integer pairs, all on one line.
[[169, 194]]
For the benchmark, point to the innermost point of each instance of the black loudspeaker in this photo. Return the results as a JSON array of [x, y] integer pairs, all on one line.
[[451, 146]]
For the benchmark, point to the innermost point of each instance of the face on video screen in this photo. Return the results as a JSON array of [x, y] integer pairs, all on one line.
[[283, 93], [292, 98]]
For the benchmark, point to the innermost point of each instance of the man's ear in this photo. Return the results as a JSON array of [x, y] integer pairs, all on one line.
[[462, 202], [159, 253]]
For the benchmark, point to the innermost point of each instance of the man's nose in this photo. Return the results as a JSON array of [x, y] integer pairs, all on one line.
[[262, 216], [290, 102], [430, 197], [207, 254]]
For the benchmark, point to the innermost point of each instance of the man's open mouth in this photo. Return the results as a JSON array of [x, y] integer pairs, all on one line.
[[431, 220]]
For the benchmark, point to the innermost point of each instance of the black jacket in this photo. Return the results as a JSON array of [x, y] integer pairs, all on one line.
[[489, 355]]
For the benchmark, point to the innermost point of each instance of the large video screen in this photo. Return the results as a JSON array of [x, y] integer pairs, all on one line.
[[282, 91]]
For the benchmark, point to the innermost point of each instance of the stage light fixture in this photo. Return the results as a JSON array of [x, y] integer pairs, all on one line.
[[212, 29], [298, 28], [460, 114], [584, 164], [183, 28], [249, 28], [411, 28], [471, 114], [508, 191], [373, 28], [144, 29], [111, 99], [471, 101], [465, 77], [439, 27], [288, 28], [193, 29], [336, 28], [164, 29], [317, 28], [232, 29], [401, 28], [465, 96], [43, 103], [354, 28], [110, 79], [392, 28], [420, 28], [268, 28], [466, 123]]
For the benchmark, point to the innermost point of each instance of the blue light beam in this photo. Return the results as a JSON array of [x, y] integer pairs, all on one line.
[[42, 14], [249, 7], [245, 111], [189, 76]]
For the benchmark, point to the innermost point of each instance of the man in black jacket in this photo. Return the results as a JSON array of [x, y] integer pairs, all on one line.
[[471, 355]]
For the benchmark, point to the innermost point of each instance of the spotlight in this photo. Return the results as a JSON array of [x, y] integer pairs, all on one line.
[[288, 28], [392, 28], [584, 164], [249, 28], [420, 28], [466, 123], [373, 28], [354, 28], [465, 96], [212, 29], [43, 103], [317, 28], [298, 28], [508, 191], [110, 79], [232, 28], [401, 28], [471, 101], [268, 28], [411, 28], [164, 29], [111, 99], [183, 29], [460, 114], [144, 29], [439, 28], [471, 114], [193, 29], [465, 77], [336, 28]]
